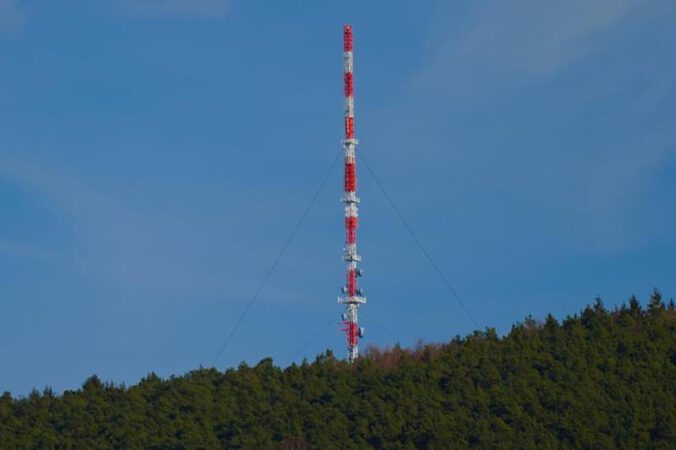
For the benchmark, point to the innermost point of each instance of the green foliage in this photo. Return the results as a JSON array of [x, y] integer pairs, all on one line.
[[600, 379]]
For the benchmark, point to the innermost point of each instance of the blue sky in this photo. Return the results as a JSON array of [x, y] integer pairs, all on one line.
[[154, 156]]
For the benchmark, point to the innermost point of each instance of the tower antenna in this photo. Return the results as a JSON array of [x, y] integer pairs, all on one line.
[[352, 296]]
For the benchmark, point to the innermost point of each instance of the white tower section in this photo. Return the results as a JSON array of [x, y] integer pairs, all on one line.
[[352, 295]]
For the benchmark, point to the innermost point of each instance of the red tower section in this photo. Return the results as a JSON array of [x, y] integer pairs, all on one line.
[[352, 294]]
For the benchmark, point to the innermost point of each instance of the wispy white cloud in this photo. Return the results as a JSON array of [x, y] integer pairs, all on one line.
[[11, 17], [133, 243], [535, 37], [540, 37], [21, 250], [598, 143], [614, 188], [173, 8]]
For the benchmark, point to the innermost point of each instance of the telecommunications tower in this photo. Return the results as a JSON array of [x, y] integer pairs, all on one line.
[[352, 295]]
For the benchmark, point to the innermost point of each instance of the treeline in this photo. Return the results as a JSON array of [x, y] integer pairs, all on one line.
[[598, 379]]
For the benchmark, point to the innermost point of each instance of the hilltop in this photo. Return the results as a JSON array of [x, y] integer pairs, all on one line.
[[598, 379]]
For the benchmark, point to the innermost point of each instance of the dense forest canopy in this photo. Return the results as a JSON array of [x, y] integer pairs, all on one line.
[[598, 379]]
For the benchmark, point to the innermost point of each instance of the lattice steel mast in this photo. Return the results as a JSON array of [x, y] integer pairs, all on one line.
[[352, 295]]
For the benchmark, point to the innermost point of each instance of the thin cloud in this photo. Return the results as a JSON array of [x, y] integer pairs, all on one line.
[[591, 162], [540, 37], [132, 245], [175, 8], [21, 250], [535, 37], [11, 17]]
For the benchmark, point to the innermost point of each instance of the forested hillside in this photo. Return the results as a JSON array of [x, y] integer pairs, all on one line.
[[599, 379]]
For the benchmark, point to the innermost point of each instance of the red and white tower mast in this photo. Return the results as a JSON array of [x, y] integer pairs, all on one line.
[[352, 295]]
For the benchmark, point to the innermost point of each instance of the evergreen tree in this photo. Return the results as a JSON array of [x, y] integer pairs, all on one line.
[[600, 379]]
